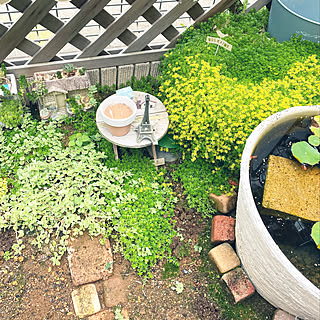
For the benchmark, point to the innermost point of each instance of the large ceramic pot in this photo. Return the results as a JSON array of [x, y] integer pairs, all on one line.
[[274, 276], [300, 17]]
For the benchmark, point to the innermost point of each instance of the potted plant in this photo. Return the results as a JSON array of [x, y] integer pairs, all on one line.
[[69, 78], [11, 112], [7, 81], [84, 103], [44, 114], [274, 276]]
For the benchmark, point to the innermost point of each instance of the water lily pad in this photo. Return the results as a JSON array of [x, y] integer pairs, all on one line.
[[317, 119], [315, 234], [315, 131], [305, 153], [314, 140]]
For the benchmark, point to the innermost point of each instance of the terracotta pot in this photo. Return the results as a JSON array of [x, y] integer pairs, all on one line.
[[119, 131], [118, 127]]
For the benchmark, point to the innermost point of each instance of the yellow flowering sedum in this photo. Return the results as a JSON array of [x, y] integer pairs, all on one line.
[[212, 115]]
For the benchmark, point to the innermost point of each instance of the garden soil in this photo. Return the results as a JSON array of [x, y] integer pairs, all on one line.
[[32, 289]]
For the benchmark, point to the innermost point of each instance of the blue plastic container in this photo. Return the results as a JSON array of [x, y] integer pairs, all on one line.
[[301, 17]]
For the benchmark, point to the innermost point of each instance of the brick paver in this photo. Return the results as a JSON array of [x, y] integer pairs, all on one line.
[[239, 284], [224, 257]]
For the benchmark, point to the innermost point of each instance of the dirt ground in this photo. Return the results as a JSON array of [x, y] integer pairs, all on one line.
[[31, 288]]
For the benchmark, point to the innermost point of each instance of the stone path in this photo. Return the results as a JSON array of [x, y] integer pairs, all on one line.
[[99, 289], [102, 290]]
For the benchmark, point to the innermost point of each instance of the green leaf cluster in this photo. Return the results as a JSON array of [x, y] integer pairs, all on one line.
[[198, 181], [79, 140], [307, 152], [20, 146], [3, 71], [3, 187], [11, 112], [315, 234], [62, 191]]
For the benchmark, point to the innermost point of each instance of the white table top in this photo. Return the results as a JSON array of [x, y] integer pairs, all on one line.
[[158, 119]]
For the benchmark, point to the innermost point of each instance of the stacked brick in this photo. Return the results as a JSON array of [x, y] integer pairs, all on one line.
[[226, 260]]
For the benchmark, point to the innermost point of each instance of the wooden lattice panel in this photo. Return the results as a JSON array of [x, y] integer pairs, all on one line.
[[138, 57], [66, 32]]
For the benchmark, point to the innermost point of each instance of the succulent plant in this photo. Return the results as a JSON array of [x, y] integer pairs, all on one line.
[[59, 75], [44, 113], [82, 71], [69, 69]]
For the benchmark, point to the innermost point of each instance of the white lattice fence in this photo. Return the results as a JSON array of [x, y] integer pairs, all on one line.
[[137, 56]]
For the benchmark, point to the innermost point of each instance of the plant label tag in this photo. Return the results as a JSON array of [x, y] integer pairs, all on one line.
[[159, 162], [219, 42]]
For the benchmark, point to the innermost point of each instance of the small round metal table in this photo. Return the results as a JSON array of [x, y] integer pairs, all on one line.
[[158, 119]]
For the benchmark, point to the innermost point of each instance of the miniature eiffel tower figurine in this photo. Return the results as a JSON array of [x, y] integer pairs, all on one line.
[[144, 129]]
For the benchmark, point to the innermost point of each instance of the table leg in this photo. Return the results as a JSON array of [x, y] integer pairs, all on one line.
[[154, 153], [115, 150]]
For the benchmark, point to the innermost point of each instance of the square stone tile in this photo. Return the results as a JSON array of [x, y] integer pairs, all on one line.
[[223, 203], [85, 300], [291, 189], [282, 315], [102, 315], [115, 290], [89, 261]]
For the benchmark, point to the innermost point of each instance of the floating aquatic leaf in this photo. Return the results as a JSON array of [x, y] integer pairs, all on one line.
[[317, 119], [315, 233], [315, 131], [314, 140], [305, 153], [315, 125]]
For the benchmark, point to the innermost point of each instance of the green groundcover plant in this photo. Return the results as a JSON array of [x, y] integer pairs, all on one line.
[[59, 191], [214, 102], [198, 182], [254, 55]]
